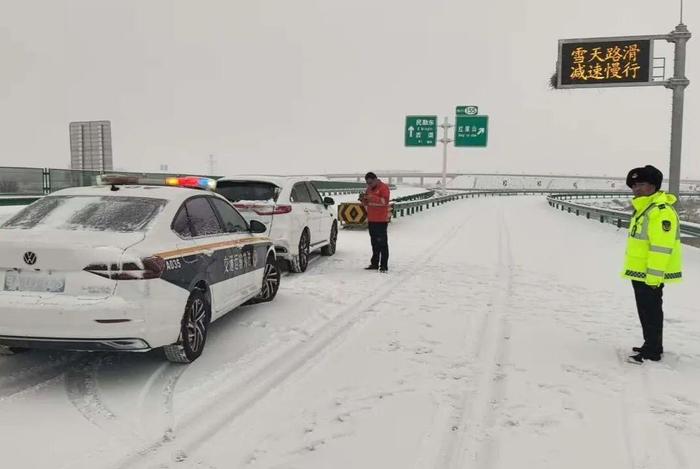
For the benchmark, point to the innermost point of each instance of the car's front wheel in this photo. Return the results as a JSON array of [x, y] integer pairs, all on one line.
[[193, 330], [300, 262]]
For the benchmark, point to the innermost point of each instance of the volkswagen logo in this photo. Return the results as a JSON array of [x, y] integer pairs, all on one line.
[[30, 258]]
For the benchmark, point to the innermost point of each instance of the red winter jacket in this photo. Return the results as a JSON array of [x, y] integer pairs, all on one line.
[[376, 202]]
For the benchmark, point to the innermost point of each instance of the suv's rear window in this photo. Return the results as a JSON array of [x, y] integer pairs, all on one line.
[[235, 191], [119, 214]]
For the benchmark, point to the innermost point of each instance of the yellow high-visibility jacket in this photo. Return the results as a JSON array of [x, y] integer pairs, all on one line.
[[653, 251]]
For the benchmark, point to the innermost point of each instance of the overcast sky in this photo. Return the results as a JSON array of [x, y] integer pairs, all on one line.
[[313, 86]]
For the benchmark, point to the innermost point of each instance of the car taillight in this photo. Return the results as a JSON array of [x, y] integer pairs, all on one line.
[[151, 267], [243, 207], [274, 210], [281, 209], [264, 209]]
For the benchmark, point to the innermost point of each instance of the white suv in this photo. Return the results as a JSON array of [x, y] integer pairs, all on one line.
[[297, 218]]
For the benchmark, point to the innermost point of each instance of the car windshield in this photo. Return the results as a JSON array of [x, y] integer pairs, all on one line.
[[92, 213], [236, 191]]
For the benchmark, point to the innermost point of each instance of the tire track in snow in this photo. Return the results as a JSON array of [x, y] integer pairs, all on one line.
[[468, 437], [18, 383], [155, 401], [159, 390], [156, 416], [498, 375], [674, 447], [154, 404], [241, 395], [82, 390], [637, 451], [158, 395], [637, 384]]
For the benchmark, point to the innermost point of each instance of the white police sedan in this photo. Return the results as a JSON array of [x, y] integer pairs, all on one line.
[[129, 266]]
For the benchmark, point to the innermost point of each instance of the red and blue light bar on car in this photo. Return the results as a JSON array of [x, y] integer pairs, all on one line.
[[193, 182]]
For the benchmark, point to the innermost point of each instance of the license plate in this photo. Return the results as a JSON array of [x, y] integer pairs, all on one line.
[[34, 282]]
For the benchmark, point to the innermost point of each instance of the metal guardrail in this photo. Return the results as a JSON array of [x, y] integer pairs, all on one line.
[[574, 192], [616, 217], [341, 188], [329, 192], [428, 175], [556, 199], [328, 188], [420, 196], [401, 209]]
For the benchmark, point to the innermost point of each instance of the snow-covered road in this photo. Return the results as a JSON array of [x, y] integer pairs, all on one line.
[[495, 342]]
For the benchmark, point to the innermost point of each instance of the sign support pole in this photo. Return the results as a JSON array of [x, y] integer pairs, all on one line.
[[445, 140], [572, 54], [678, 83]]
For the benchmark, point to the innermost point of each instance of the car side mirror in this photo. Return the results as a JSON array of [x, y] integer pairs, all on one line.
[[328, 201], [257, 227]]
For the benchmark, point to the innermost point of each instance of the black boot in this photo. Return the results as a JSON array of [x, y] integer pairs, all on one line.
[[655, 357], [372, 267], [636, 358], [640, 357], [641, 349]]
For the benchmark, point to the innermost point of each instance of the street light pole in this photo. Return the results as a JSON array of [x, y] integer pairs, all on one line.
[[678, 83], [211, 165]]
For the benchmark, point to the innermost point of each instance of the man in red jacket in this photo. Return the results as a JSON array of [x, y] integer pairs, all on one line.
[[376, 201]]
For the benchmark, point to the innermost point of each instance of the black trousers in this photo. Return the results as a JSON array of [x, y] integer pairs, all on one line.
[[380, 244], [651, 315]]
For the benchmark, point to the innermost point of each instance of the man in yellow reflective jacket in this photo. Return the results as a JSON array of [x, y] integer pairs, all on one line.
[[653, 257]]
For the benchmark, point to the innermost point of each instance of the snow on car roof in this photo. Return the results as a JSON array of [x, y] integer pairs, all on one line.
[[156, 192]]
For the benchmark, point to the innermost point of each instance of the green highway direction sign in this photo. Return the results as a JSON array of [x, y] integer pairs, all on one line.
[[467, 110], [420, 131], [471, 131]]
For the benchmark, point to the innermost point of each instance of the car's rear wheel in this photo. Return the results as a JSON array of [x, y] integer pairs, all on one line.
[[329, 249], [300, 262], [193, 330], [271, 282]]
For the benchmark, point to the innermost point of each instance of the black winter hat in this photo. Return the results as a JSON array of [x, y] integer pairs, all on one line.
[[646, 174]]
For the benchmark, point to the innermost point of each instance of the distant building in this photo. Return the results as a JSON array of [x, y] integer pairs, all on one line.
[[91, 145]]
